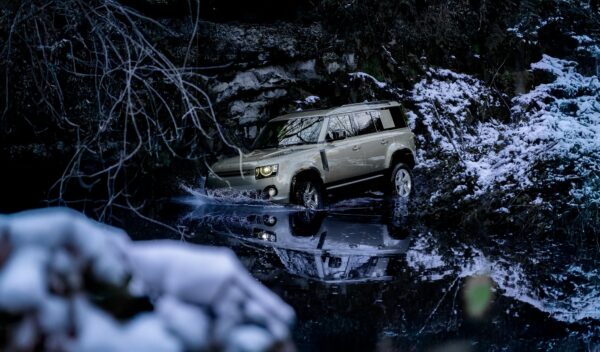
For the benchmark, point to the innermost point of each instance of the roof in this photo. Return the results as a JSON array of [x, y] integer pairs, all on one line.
[[339, 110]]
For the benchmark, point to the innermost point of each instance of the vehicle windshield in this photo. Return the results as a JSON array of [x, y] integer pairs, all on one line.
[[289, 132]]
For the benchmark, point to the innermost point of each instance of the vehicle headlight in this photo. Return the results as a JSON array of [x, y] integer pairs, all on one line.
[[266, 171]]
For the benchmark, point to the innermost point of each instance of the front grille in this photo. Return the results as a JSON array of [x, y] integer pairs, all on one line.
[[235, 173]]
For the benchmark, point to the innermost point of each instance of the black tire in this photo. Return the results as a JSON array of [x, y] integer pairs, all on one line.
[[309, 194], [398, 220], [401, 181], [306, 223]]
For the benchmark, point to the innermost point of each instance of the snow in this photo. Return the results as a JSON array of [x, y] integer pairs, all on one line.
[[308, 101], [588, 44], [54, 313], [527, 29], [422, 255], [583, 39], [248, 339], [160, 263], [51, 230], [365, 76], [503, 210], [22, 282], [253, 80], [187, 322], [311, 99], [202, 296], [98, 331]]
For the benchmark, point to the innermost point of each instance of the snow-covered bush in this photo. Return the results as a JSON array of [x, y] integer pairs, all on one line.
[[68, 283], [547, 149]]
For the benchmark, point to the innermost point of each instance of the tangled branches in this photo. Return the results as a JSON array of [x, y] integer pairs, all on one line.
[[93, 71]]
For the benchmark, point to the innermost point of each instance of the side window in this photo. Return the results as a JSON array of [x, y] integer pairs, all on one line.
[[398, 117], [385, 119], [363, 122], [376, 116], [300, 131], [341, 123]]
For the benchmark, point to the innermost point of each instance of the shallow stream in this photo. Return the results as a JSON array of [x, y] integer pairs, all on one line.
[[361, 276]]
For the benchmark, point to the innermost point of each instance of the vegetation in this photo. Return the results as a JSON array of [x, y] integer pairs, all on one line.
[[89, 79]]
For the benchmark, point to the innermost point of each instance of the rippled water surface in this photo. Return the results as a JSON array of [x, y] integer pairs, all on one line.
[[363, 276]]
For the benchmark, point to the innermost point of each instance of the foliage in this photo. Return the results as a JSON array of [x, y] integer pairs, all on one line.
[[95, 76]]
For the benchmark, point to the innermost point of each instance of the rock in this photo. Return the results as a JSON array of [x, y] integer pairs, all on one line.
[[66, 273]]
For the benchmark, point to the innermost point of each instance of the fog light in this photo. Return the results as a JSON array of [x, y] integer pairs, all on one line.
[[271, 191]]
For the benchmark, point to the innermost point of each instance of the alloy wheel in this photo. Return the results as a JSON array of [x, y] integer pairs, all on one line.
[[310, 196], [403, 183]]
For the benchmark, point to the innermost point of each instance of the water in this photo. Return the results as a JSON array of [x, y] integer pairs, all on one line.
[[363, 275]]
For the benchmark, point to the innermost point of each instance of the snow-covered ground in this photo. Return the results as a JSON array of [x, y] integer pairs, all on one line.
[[202, 297]]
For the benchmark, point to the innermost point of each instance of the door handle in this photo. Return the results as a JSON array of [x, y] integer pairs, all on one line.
[[384, 141], [356, 147]]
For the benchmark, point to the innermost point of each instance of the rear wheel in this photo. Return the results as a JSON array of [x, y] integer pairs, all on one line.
[[401, 181], [309, 194]]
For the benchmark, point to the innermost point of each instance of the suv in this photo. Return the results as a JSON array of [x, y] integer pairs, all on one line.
[[299, 157]]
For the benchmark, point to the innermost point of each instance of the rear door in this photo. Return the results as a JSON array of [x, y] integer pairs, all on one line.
[[373, 144], [399, 133], [344, 157]]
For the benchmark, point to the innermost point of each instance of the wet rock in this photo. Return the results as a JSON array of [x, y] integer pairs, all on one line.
[[251, 44], [255, 80]]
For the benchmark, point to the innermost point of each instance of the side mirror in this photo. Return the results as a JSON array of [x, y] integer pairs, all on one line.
[[336, 135]]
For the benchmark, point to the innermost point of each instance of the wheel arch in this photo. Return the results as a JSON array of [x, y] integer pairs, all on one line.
[[403, 155], [302, 174]]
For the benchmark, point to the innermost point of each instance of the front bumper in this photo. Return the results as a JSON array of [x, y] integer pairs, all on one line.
[[249, 185]]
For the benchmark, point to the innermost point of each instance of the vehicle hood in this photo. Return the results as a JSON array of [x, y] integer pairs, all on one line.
[[257, 158]]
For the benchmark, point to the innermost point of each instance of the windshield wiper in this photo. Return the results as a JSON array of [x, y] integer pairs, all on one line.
[[293, 144], [268, 146]]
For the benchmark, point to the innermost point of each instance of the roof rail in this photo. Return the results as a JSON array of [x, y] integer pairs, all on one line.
[[372, 103]]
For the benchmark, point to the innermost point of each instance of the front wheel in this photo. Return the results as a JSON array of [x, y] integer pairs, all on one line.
[[308, 194], [401, 181]]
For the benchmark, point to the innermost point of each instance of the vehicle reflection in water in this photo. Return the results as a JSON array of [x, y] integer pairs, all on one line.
[[324, 246], [356, 285]]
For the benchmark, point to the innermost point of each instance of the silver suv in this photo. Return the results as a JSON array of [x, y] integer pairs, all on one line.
[[299, 157]]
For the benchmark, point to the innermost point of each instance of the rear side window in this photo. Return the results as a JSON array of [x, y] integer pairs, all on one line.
[[376, 116], [398, 117], [341, 123], [364, 123], [383, 120]]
